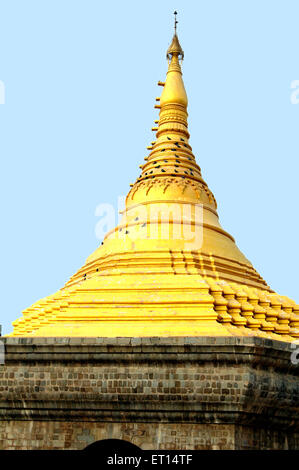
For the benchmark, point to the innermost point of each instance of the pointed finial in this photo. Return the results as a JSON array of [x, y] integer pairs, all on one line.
[[175, 47], [175, 21]]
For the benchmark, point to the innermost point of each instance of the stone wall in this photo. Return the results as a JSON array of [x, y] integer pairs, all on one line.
[[158, 393]]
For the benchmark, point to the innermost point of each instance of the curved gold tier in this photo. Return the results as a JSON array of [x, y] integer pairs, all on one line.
[[168, 268]]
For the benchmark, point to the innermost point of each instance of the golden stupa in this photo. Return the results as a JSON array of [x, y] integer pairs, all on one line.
[[168, 268]]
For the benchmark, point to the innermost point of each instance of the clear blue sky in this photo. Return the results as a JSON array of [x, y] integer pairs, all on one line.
[[80, 83]]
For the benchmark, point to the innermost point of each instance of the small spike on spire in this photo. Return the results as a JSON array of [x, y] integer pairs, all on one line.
[[175, 47], [175, 21]]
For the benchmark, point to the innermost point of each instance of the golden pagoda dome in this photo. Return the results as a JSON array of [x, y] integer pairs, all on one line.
[[168, 268]]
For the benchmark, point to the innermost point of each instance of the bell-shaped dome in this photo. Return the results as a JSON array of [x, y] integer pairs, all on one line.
[[168, 268]]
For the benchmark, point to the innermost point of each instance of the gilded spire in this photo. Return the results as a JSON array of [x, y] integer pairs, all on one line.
[[174, 92]]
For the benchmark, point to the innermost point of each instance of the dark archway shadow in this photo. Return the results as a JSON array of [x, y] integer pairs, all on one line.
[[111, 446]]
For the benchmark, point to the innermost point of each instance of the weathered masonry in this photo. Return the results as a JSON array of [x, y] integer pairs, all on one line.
[[158, 393]]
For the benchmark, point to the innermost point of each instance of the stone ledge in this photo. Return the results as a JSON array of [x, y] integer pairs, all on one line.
[[148, 341], [236, 350], [226, 415]]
